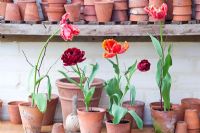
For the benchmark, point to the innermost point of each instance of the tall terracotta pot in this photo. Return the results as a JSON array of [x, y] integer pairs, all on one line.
[[31, 12], [191, 103], [55, 13], [163, 122], [92, 121], [67, 90], [123, 127], [12, 12], [74, 10], [192, 119], [181, 127], [31, 118], [138, 107], [104, 10], [14, 114]]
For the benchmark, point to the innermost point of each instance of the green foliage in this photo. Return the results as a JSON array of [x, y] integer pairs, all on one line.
[[41, 101], [49, 87], [137, 119], [132, 94], [115, 66], [157, 46]]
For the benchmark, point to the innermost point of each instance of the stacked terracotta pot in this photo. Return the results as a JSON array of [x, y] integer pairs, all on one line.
[[120, 9], [182, 10], [197, 9], [55, 10], [75, 10], [12, 13], [137, 12], [3, 4], [89, 11], [82, 7]]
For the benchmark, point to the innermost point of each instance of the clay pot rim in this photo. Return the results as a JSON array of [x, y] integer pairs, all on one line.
[[15, 103], [60, 83], [194, 101], [55, 9], [56, 2], [182, 122], [109, 122], [156, 108], [104, 2], [139, 103], [53, 96], [25, 1], [96, 110], [192, 110]]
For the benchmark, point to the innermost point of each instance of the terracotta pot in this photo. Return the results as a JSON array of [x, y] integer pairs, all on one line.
[[119, 16], [22, 6], [31, 12], [90, 18], [196, 2], [55, 13], [138, 18], [89, 2], [7, 1], [138, 3], [123, 127], [44, 6], [182, 10], [163, 122], [58, 128], [179, 111], [14, 114], [156, 3], [197, 16], [56, 1], [89, 10], [91, 122], [182, 2], [197, 8], [191, 103], [104, 10], [138, 107], [170, 10], [31, 118], [56, 5], [51, 109], [193, 131], [138, 11], [182, 18], [67, 90], [192, 119], [78, 1], [2, 9], [181, 127], [120, 5], [12, 12], [74, 10]]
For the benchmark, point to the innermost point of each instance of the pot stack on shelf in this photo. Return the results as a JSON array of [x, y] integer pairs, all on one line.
[[197, 9], [89, 11]]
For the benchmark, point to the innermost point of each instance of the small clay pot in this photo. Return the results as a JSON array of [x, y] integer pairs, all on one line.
[[182, 2], [192, 119], [182, 10], [181, 127], [120, 5], [138, 3], [90, 18], [14, 114], [182, 18], [56, 1], [191, 103], [179, 111], [89, 10], [91, 122], [163, 122], [78, 1], [56, 5], [58, 128], [2, 9], [12, 12], [138, 18], [31, 12], [104, 10], [197, 15], [55, 13], [138, 107], [119, 15], [31, 118], [138, 11], [44, 5], [123, 127], [156, 3], [74, 10], [88, 2]]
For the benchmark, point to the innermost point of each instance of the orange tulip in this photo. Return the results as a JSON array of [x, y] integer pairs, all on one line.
[[112, 48]]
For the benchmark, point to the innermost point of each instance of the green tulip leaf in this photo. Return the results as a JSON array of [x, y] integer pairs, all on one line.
[[41, 101], [137, 119], [118, 113], [157, 45]]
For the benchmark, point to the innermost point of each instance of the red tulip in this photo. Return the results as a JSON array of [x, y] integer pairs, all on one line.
[[157, 13], [144, 66], [112, 48]]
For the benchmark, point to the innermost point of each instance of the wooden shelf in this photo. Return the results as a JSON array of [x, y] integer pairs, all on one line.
[[102, 30]]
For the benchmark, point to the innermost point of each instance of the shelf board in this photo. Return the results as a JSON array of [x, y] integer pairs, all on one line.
[[102, 30]]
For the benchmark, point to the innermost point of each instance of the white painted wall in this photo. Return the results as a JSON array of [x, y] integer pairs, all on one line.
[[14, 70]]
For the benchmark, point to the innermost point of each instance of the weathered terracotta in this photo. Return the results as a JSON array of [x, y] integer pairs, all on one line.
[[104, 10], [170, 10], [138, 18], [44, 6], [138, 107], [138, 11], [55, 13], [197, 15], [120, 5], [91, 122], [163, 122], [182, 10], [182, 2], [192, 119], [78, 1], [119, 15], [56, 5], [179, 111], [7, 1], [138, 3], [194, 131], [31, 118], [182, 18], [14, 114], [74, 10], [123, 127], [2, 9], [31, 12], [191, 103], [12, 12], [197, 8], [155, 3], [89, 2], [181, 127], [67, 90], [89, 10], [196, 2], [56, 1], [58, 128], [90, 18]]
